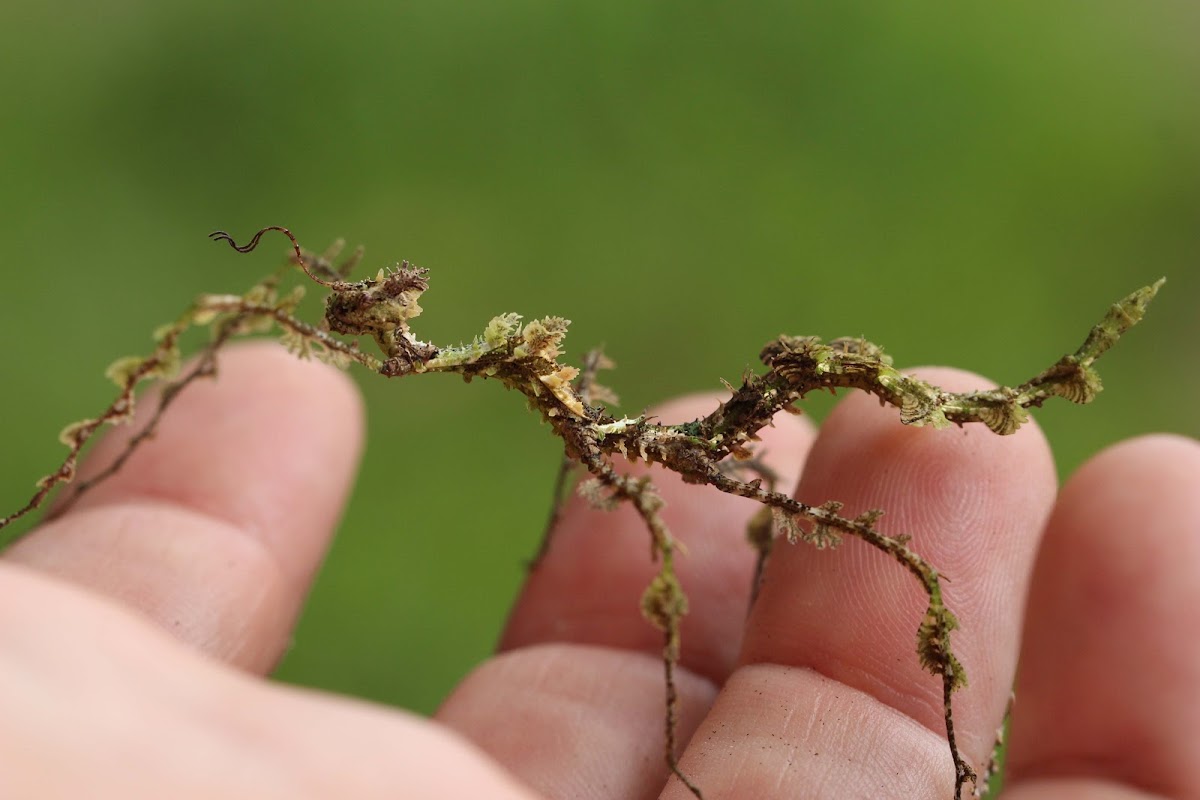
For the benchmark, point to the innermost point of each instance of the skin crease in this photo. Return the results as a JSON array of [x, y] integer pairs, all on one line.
[[135, 629]]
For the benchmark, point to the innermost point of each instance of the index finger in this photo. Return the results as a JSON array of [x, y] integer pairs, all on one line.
[[216, 525]]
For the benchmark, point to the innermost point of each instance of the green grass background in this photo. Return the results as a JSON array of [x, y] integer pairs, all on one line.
[[963, 183]]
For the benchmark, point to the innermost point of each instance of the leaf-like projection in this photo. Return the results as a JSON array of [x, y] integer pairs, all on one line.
[[920, 409], [787, 525], [1003, 418], [500, 328], [664, 602], [123, 370], [933, 646], [597, 495], [75, 434], [1081, 386]]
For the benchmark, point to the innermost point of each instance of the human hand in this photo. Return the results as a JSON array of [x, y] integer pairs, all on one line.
[[215, 530]]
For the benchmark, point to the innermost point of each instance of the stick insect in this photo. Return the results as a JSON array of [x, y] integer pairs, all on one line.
[[716, 449]]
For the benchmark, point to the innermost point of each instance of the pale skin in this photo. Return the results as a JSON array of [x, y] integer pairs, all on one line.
[[136, 629]]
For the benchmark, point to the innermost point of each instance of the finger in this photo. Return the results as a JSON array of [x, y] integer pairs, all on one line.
[[1110, 663], [87, 690], [588, 587], [832, 691], [574, 720], [216, 525], [575, 704]]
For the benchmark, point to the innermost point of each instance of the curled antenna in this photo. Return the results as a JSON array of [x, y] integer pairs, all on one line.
[[219, 236]]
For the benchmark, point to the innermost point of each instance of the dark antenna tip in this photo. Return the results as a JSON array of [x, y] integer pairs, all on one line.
[[222, 236]]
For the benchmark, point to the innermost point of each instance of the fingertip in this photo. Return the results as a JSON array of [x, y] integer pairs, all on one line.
[[215, 526], [272, 441], [974, 504], [1109, 667]]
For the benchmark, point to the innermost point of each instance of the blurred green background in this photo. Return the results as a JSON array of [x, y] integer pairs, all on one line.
[[965, 184]]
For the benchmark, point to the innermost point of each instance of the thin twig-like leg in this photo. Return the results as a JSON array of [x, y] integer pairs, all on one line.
[[237, 315], [206, 366], [983, 785], [663, 603], [759, 530], [585, 387], [562, 482], [933, 635]]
